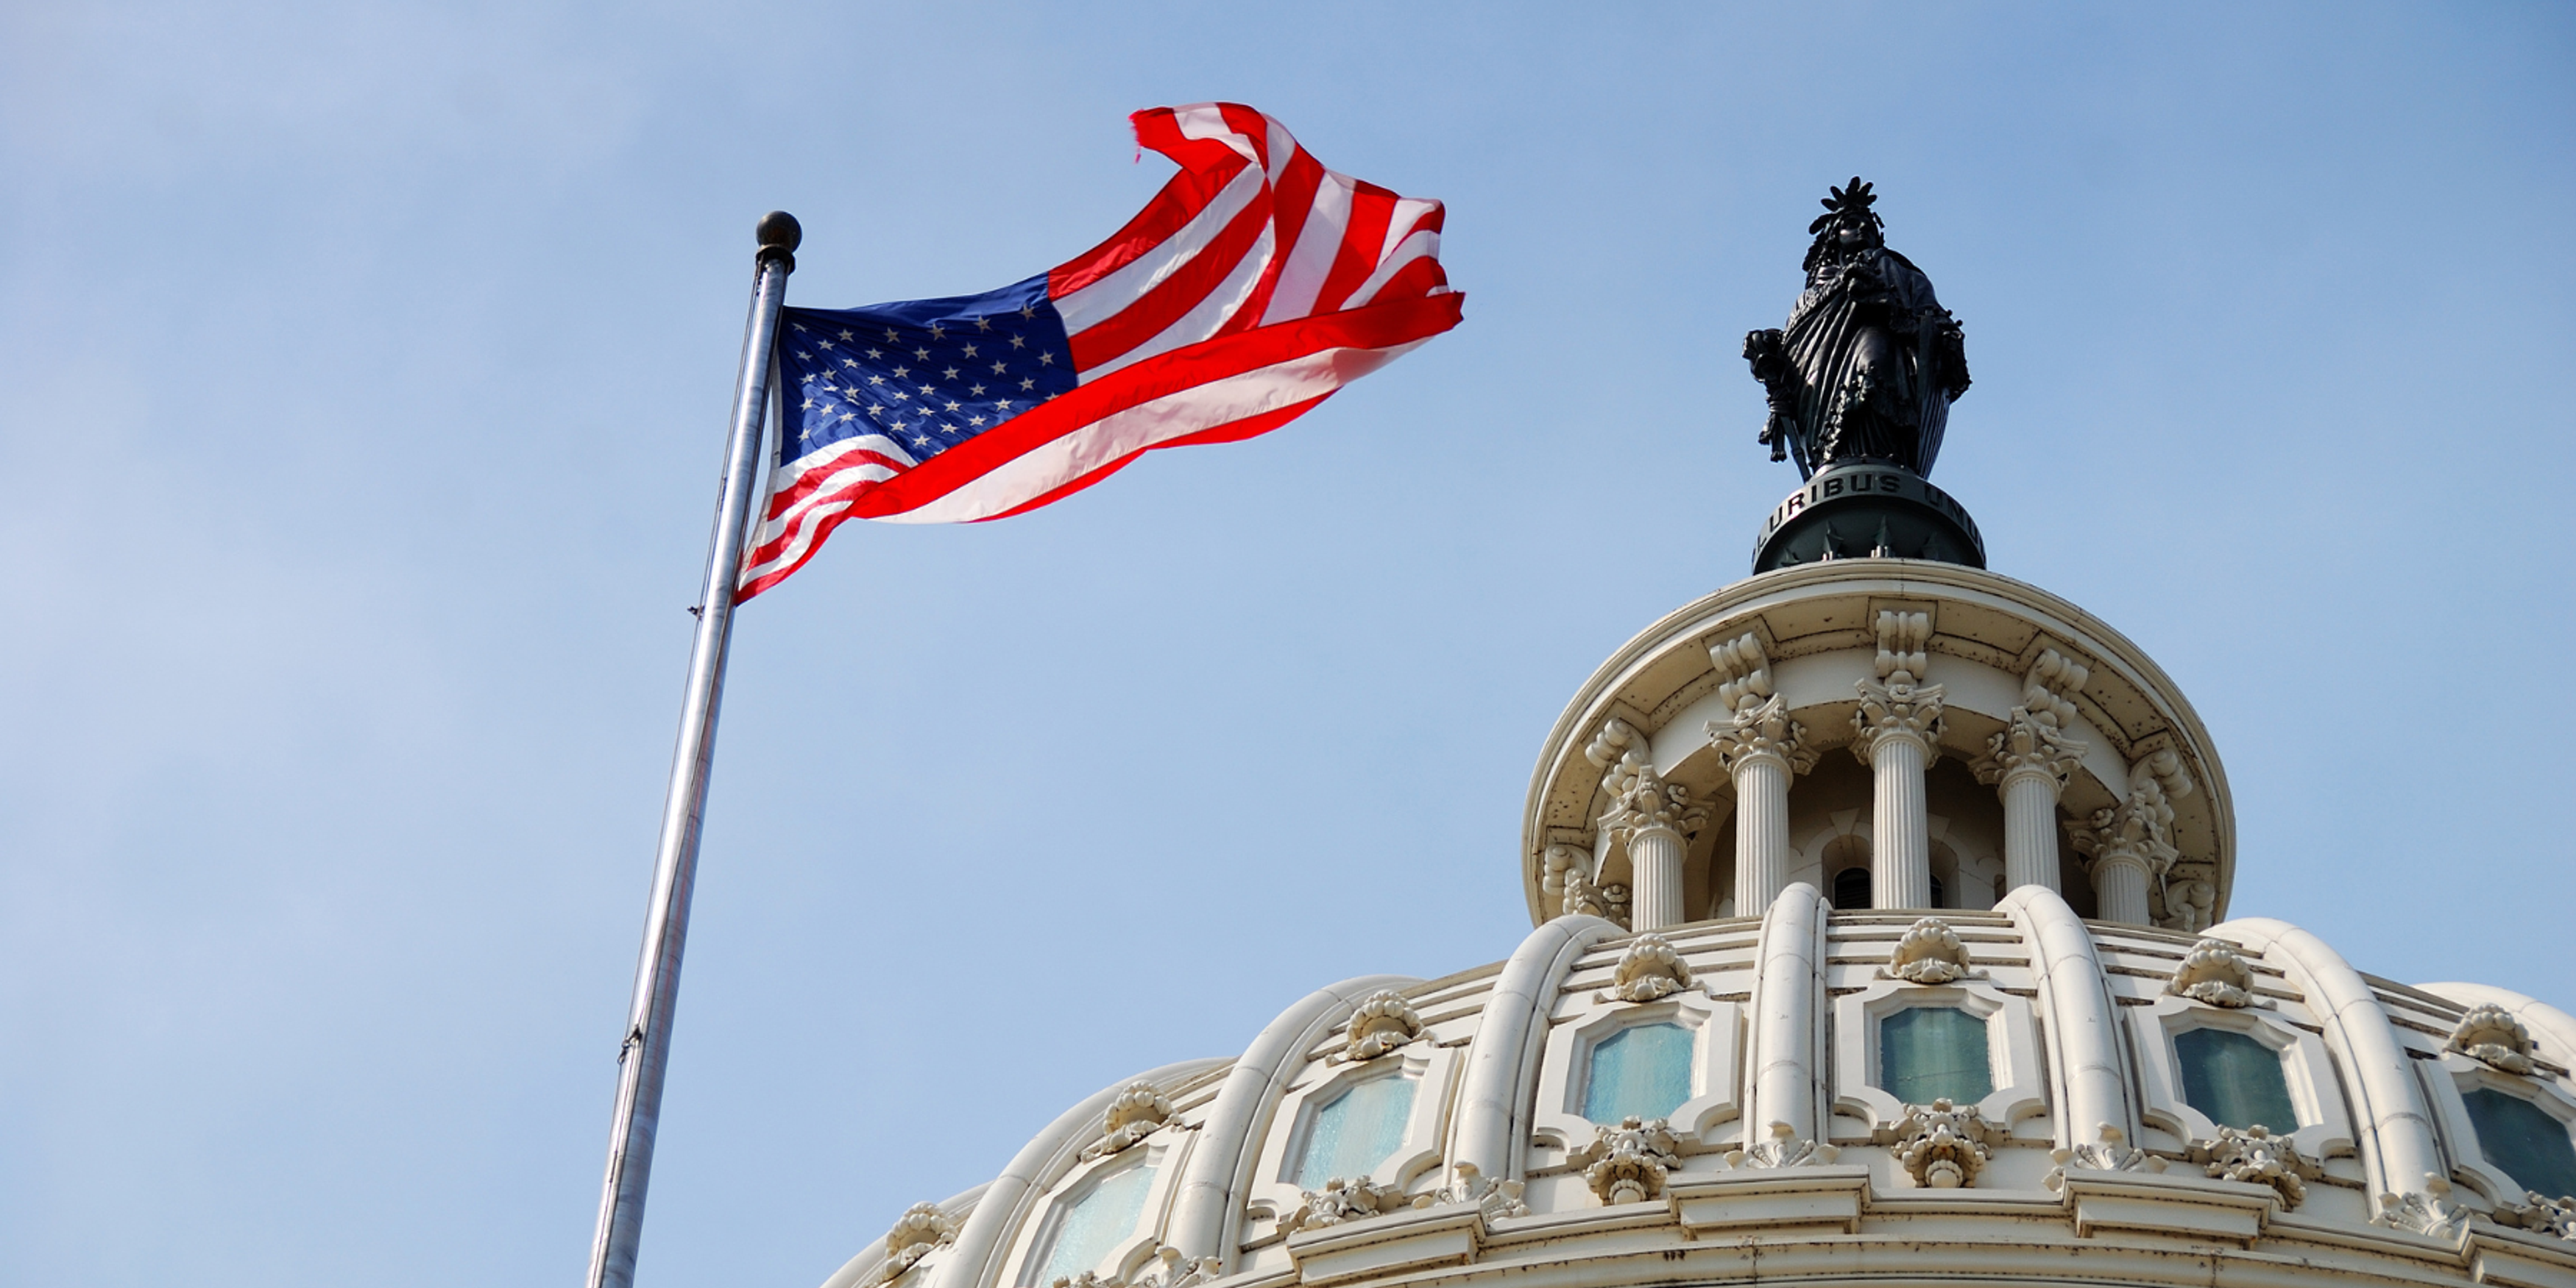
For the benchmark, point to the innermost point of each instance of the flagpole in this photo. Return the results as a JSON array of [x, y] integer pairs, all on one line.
[[646, 1050]]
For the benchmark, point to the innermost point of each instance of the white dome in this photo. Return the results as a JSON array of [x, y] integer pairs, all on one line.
[[1971, 1083]]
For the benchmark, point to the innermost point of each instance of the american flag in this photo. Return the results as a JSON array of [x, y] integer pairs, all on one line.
[[1253, 286]]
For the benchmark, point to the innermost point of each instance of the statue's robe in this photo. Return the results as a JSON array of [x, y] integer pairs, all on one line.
[[1865, 339]]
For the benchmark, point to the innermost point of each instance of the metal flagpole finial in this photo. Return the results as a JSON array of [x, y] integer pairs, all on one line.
[[779, 235]]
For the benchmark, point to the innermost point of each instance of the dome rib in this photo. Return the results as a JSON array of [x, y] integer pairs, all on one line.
[[2396, 1133], [1007, 1200], [1502, 1061], [2080, 1016], [1787, 1007], [1205, 1214]]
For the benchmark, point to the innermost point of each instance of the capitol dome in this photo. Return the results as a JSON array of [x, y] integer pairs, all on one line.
[[1881, 934]]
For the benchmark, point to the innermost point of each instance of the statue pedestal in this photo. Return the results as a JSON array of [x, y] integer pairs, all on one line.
[[1861, 509]]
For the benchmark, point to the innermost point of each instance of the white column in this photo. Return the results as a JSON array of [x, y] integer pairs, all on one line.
[[1762, 750], [1892, 734], [1900, 852], [1655, 864], [1761, 831], [2120, 885], [2131, 843], [2030, 828], [1784, 1068], [2029, 763], [1651, 817]]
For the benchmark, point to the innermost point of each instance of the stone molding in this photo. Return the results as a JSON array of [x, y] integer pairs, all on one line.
[[1344, 1200]]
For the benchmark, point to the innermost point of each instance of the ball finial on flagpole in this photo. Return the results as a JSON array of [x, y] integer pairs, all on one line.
[[779, 236]]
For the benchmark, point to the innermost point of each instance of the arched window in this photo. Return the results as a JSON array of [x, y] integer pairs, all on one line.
[[1355, 1131], [1928, 1053], [1937, 900], [2234, 1080], [1095, 1225], [1642, 1071], [1851, 889], [2523, 1141]]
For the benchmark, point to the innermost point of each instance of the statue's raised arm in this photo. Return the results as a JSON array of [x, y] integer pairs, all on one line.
[[1870, 362]]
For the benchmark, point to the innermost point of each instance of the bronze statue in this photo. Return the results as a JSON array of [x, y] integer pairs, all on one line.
[[1870, 362]]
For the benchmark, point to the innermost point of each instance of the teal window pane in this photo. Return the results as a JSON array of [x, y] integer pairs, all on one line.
[[1928, 1053], [1099, 1222], [2521, 1138], [1642, 1071], [2235, 1080], [1355, 1131]]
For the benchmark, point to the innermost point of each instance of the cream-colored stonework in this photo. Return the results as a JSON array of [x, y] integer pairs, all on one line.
[[1697, 1069]]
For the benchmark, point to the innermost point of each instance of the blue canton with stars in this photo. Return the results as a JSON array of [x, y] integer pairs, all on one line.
[[927, 374]]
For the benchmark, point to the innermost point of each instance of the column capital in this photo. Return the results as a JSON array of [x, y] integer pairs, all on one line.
[[1897, 705], [2139, 830], [1569, 879], [2035, 741], [2030, 747], [1641, 801], [1762, 732]]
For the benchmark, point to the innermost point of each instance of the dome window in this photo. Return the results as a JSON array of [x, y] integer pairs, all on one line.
[[2524, 1141], [1642, 1071], [1096, 1223], [2234, 1080], [1355, 1131], [1928, 1053]]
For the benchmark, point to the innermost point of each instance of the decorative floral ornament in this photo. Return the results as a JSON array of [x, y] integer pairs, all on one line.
[[2541, 1215], [1628, 1163], [1342, 1201], [2110, 1154], [2258, 1157], [1941, 1145], [1467, 1184], [2429, 1213], [1784, 1149]]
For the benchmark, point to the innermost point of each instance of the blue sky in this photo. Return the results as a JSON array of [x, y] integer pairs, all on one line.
[[362, 380]]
